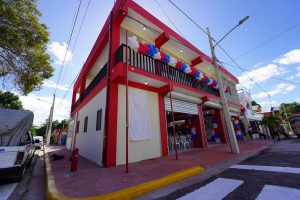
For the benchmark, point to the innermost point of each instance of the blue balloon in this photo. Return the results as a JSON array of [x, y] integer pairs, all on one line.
[[197, 75], [207, 81], [183, 67], [151, 50], [167, 59]]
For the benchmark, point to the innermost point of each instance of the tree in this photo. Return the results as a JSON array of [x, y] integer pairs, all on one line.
[[290, 108], [10, 100], [24, 63], [254, 103], [41, 129]]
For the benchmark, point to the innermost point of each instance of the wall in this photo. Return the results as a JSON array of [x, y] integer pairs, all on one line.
[[90, 143], [138, 150], [101, 61]]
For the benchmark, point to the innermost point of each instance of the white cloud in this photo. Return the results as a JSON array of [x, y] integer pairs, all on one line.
[[291, 57], [266, 106], [280, 88], [41, 108], [59, 51], [260, 74], [257, 65], [51, 84], [298, 69]]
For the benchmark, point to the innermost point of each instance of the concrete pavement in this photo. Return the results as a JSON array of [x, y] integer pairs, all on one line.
[[90, 180], [273, 174]]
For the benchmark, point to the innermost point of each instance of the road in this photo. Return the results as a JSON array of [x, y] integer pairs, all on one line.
[[32, 186], [273, 174]]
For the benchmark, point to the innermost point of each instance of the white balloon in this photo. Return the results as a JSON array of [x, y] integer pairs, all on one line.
[[133, 43], [157, 56], [173, 61], [188, 69]]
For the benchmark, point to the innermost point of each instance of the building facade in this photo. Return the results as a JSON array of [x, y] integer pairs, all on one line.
[[163, 72]]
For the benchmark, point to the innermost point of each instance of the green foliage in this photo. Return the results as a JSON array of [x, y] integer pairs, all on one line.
[[41, 129], [254, 103], [290, 108], [10, 100], [24, 63], [270, 121]]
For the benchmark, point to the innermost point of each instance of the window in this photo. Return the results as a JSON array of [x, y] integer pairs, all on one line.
[[77, 126], [99, 119], [85, 124]]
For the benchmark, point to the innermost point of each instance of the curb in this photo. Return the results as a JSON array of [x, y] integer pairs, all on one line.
[[128, 193]]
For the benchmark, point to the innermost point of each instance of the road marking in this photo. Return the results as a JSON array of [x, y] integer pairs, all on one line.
[[216, 190], [268, 168], [6, 190], [278, 193]]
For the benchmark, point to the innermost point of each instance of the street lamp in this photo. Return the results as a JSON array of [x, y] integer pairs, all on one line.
[[230, 129]]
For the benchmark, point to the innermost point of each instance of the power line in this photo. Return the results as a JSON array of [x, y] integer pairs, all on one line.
[[82, 21], [74, 45], [69, 41], [268, 40], [261, 74], [169, 18]]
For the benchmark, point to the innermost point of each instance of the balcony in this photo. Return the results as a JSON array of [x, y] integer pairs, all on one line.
[[156, 67], [101, 74]]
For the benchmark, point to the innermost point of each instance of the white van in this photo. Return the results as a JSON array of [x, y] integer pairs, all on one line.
[[16, 143], [38, 142]]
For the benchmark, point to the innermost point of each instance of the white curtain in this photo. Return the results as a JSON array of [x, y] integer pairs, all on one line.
[[139, 117]]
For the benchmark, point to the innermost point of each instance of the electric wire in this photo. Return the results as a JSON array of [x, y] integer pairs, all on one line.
[[69, 41], [84, 16], [74, 45]]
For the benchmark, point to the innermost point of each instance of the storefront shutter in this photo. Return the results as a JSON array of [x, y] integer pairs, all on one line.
[[181, 106]]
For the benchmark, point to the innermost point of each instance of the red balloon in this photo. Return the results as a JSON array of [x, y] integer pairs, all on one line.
[[143, 48]]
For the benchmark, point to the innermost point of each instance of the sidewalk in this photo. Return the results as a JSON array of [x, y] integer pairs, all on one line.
[[91, 180]]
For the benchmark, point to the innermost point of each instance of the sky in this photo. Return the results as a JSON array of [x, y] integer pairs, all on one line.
[[266, 46]]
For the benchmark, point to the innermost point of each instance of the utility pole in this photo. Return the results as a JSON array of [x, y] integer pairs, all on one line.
[[50, 121], [287, 118], [230, 130]]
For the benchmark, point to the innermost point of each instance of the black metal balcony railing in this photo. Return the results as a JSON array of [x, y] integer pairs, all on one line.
[[156, 67], [101, 74]]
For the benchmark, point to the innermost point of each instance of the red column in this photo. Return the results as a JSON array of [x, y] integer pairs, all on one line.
[[82, 87], [221, 126], [196, 123], [202, 127], [163, 124], [110, 150]]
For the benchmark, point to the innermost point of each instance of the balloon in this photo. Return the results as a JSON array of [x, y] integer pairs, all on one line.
[[143, 48], [183, 67], [166, 59], [157, 55], [173, 61], [162, 56], [188, 69], [178, 64], [133, 43]]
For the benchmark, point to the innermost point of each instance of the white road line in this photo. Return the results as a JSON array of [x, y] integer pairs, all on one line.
[[216, 190], [268, 168], [6, 190], [278, 193]]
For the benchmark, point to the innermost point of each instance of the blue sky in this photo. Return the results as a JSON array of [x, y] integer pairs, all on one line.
[[278, 58]]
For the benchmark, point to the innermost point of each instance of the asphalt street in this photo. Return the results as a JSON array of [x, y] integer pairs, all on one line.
[[32, 186], [272, 174]]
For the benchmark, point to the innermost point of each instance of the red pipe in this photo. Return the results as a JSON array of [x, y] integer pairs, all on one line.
[[126, 102], [173, 124]]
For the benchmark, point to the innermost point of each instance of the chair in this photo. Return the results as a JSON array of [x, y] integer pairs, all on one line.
[[184, 142]]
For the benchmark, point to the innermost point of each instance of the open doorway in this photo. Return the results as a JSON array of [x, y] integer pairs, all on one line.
[[187, 129]]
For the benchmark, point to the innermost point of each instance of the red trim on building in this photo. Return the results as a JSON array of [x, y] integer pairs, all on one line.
[[163, 124], [140, 86], [134, 6], [197, 61], [90, 96], [161, 40], [202, 127], [221, 126]]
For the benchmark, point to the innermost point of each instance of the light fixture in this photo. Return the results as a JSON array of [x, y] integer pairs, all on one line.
[[146, 83], [144, 28], [181, 50]]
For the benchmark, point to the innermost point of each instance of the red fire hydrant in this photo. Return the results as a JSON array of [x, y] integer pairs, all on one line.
[[74, 160]]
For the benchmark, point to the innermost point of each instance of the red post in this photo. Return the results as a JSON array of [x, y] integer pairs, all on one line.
[[74, 160], [126, 52], [173, 124]]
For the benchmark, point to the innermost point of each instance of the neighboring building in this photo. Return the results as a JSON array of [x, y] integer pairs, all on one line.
[[252, 114], [178, 67]]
